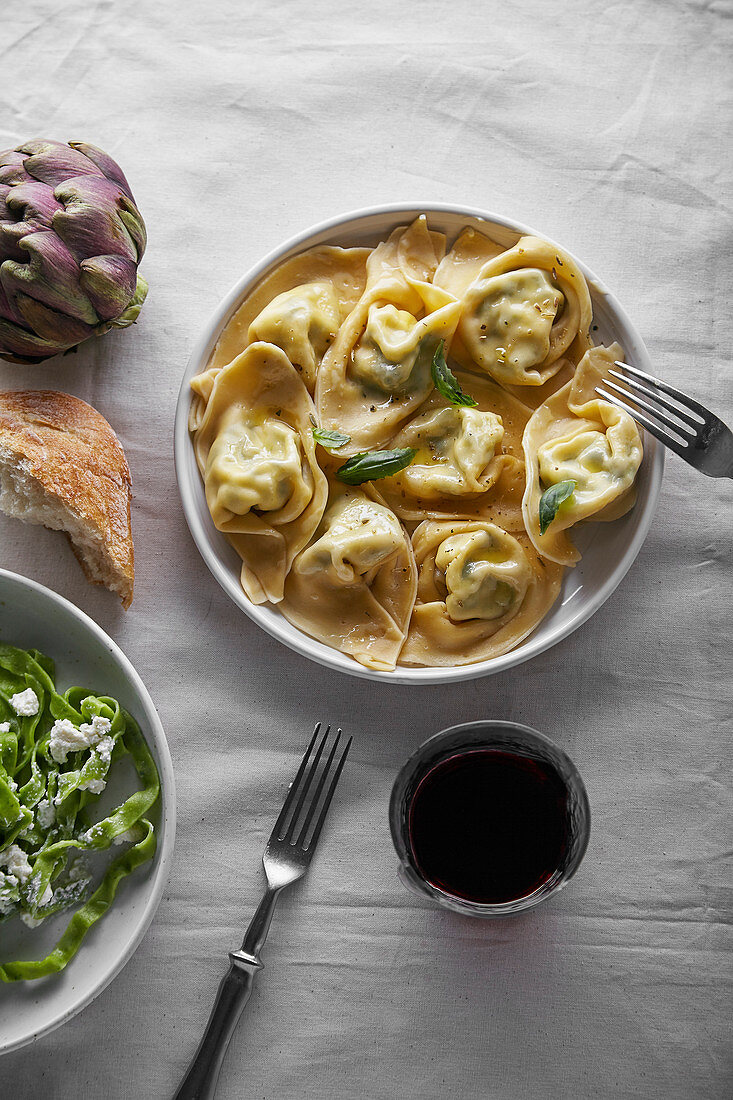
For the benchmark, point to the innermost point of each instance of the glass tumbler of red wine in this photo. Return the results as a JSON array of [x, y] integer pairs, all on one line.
[[489, 818]]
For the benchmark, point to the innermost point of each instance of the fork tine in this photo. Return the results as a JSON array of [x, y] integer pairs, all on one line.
[[305, 788], [327, 800], [321, 783], [678, 395], [677, 428], [653, 429], [639, 387], [295, 785]]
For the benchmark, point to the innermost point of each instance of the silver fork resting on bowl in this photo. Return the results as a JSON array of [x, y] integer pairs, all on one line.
[[286, 859], [699, 436]]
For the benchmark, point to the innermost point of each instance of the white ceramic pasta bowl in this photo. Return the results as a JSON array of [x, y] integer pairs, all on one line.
[[32, 616], [607, 549]]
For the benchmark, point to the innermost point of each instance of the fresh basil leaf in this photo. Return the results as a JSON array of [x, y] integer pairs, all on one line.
[[331, 440], [446, 382], [551, 500], [370, 465]]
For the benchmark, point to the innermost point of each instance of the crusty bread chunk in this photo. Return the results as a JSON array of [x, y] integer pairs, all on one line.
[[61, 465]]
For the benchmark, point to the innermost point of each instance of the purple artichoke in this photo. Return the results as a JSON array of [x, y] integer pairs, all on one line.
[[71, 238]]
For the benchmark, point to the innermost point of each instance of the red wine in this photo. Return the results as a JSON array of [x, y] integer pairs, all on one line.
[[489, 826]]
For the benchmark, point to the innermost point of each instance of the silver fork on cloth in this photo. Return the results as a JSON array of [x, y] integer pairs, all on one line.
[[287, 858], [698, 436]]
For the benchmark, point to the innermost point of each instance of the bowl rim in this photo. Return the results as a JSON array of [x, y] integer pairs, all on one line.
[[277, 626], [162, 860]]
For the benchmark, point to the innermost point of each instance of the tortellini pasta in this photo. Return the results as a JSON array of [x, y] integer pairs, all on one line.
[[340, 270], [302, 322], [480, 591], [486, 574], [441, 558], [577, 437], [385, 358], [254, 446], [456, 452], [353, 587], [469, 460], [378, 370], [522, 312], [255, 462]]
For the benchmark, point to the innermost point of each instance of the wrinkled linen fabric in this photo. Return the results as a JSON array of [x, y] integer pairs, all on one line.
[[606, 127]]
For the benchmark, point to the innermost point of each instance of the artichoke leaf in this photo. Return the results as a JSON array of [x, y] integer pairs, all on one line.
[[58, 329], [108, 167], [129, 316], [51, 276], [109, 282]]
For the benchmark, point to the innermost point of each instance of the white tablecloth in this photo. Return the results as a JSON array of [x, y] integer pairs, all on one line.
[[608, 128]]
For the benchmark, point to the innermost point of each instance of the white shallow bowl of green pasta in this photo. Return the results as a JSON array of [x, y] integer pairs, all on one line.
[[33, 617], [607, 550]]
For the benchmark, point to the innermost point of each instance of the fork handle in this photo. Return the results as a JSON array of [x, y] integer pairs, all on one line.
[[234, 992]]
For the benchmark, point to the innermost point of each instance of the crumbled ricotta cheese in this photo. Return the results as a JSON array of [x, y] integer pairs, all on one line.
[[98, 728], [66, 737], [32, 893], [31, 922], [8, 898], [25, 703], [104, 749], [4, 727], [16, 861], [96, 786], [45, 813]]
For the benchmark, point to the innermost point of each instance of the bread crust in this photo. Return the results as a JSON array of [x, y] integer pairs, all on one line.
[[73, 454]]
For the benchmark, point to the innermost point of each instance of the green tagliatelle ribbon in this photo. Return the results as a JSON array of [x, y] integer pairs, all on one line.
[[45, 805]]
